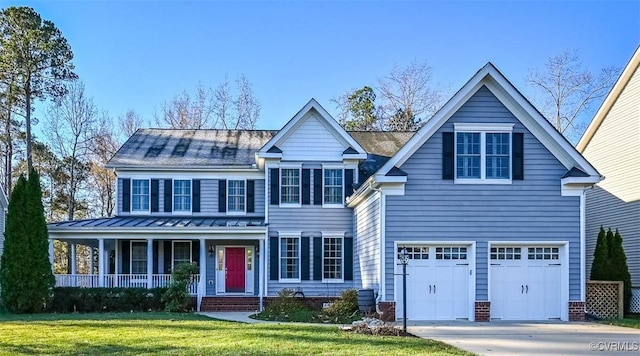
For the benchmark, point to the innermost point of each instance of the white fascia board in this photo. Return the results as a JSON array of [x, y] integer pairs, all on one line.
[[269, 155], [581, 180], [379, 178], [245, 174], [354, 156], [129, 168]]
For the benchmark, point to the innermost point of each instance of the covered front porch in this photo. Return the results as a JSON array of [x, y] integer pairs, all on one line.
[[138, 255]]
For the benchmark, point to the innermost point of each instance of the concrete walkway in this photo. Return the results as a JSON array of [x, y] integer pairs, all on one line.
[[243, 317], [532, 338]]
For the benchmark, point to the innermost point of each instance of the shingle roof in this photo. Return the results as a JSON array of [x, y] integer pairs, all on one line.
[[216, 148], [174, 148]]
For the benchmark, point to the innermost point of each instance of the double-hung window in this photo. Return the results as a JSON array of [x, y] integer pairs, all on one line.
[[332, 258], [333, 187], [138, 257], [483, 153], [181, 253], [236, 202], [290, 257], [182, 195], [290, 186], [140, 196]]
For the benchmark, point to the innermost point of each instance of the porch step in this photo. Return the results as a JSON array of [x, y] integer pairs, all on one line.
[[230, 304]]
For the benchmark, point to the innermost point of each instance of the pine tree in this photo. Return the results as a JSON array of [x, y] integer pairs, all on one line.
[[600, 265], [619, 269], [25, 273]]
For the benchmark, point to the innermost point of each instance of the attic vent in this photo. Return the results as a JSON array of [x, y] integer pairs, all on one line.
[[154, 151], [181, 148]]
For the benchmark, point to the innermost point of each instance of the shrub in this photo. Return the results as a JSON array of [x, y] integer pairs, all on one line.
[[92, 300], [177, 297], [610, 262], [25, 275], [287, 307], [345, 308]]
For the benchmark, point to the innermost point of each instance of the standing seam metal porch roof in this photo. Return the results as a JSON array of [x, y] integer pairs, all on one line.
[[160, 222]]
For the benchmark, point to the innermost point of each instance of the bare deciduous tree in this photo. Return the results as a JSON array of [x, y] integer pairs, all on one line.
[[220, 108], [129, 123], [566, 89], [70, 125]]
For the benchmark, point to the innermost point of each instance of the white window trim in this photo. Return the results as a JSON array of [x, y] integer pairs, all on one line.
[[290, 205], [173, 251], [341, 237], [297, 235], [173, 198], [138, 212], [333, 205], [482, 129], [131, 257], [237, 213]]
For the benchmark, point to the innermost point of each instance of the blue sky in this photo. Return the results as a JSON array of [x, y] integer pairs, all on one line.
[[138, 54]]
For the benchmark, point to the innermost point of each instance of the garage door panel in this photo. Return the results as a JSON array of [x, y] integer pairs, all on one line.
[[527, 287]]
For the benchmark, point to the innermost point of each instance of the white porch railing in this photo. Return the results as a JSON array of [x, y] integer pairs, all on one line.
[[121, 280]]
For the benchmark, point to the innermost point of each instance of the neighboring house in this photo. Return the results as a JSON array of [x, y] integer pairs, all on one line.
[[612, 144], [487, 200]]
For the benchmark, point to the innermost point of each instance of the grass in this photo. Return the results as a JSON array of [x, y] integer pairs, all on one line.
[[188, 334], [630, 321]]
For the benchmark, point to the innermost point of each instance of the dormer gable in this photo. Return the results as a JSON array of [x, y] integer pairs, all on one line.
[[312, 135]]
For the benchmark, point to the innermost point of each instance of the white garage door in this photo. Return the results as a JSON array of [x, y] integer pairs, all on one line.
[[525, 282], [437, 283]]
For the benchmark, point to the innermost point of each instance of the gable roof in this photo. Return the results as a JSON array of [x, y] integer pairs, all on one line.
[[170, 148], [324, 117], [490, 77], [607, 104]]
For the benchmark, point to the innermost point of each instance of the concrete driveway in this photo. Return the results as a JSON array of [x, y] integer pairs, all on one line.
[[532, 338]]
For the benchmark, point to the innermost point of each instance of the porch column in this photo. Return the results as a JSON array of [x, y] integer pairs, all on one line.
[[91, 265], [149, 263], [74, 264], [51, 252], [101, 262], [203, 270], [261, 253]]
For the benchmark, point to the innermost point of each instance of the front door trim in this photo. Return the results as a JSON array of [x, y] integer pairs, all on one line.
[[249, 275]]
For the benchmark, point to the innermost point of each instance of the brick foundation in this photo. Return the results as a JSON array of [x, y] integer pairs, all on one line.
[[388, 310], [483, 311], [576, 311]]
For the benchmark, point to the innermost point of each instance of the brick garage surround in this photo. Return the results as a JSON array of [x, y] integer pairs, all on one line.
[[388, 310], [483, 311], [576, 311]]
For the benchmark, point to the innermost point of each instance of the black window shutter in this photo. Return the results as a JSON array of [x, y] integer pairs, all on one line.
[[447, 155], [155, 195], [155, 257], [126, 195], [348, 182], [317, 258], [168, 195], [306, 186], [517, 161], [275, 186], [195, 251], [304, 257], [348, 258], [195, 192], [317, 187], [222, 196], [251, 196], [167, 256], [273, 258], [126, 256]]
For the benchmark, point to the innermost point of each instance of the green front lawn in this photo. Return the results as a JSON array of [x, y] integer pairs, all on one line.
[[151, 333], [629, 322]]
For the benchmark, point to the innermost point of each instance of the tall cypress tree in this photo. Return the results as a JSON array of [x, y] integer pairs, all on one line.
[[600, 265], [619, 268], [25, 273]]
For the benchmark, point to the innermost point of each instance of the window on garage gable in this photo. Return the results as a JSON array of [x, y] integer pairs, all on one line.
[[483, 152]]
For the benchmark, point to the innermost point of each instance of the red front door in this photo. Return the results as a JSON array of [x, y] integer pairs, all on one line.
[[234, 282]]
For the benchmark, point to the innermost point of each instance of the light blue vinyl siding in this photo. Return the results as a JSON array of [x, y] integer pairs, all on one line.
[[367, 243], [433, 209], [311, 220], [208, 199]]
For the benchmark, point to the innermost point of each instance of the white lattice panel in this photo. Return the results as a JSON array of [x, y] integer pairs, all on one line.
[[634, 306]]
